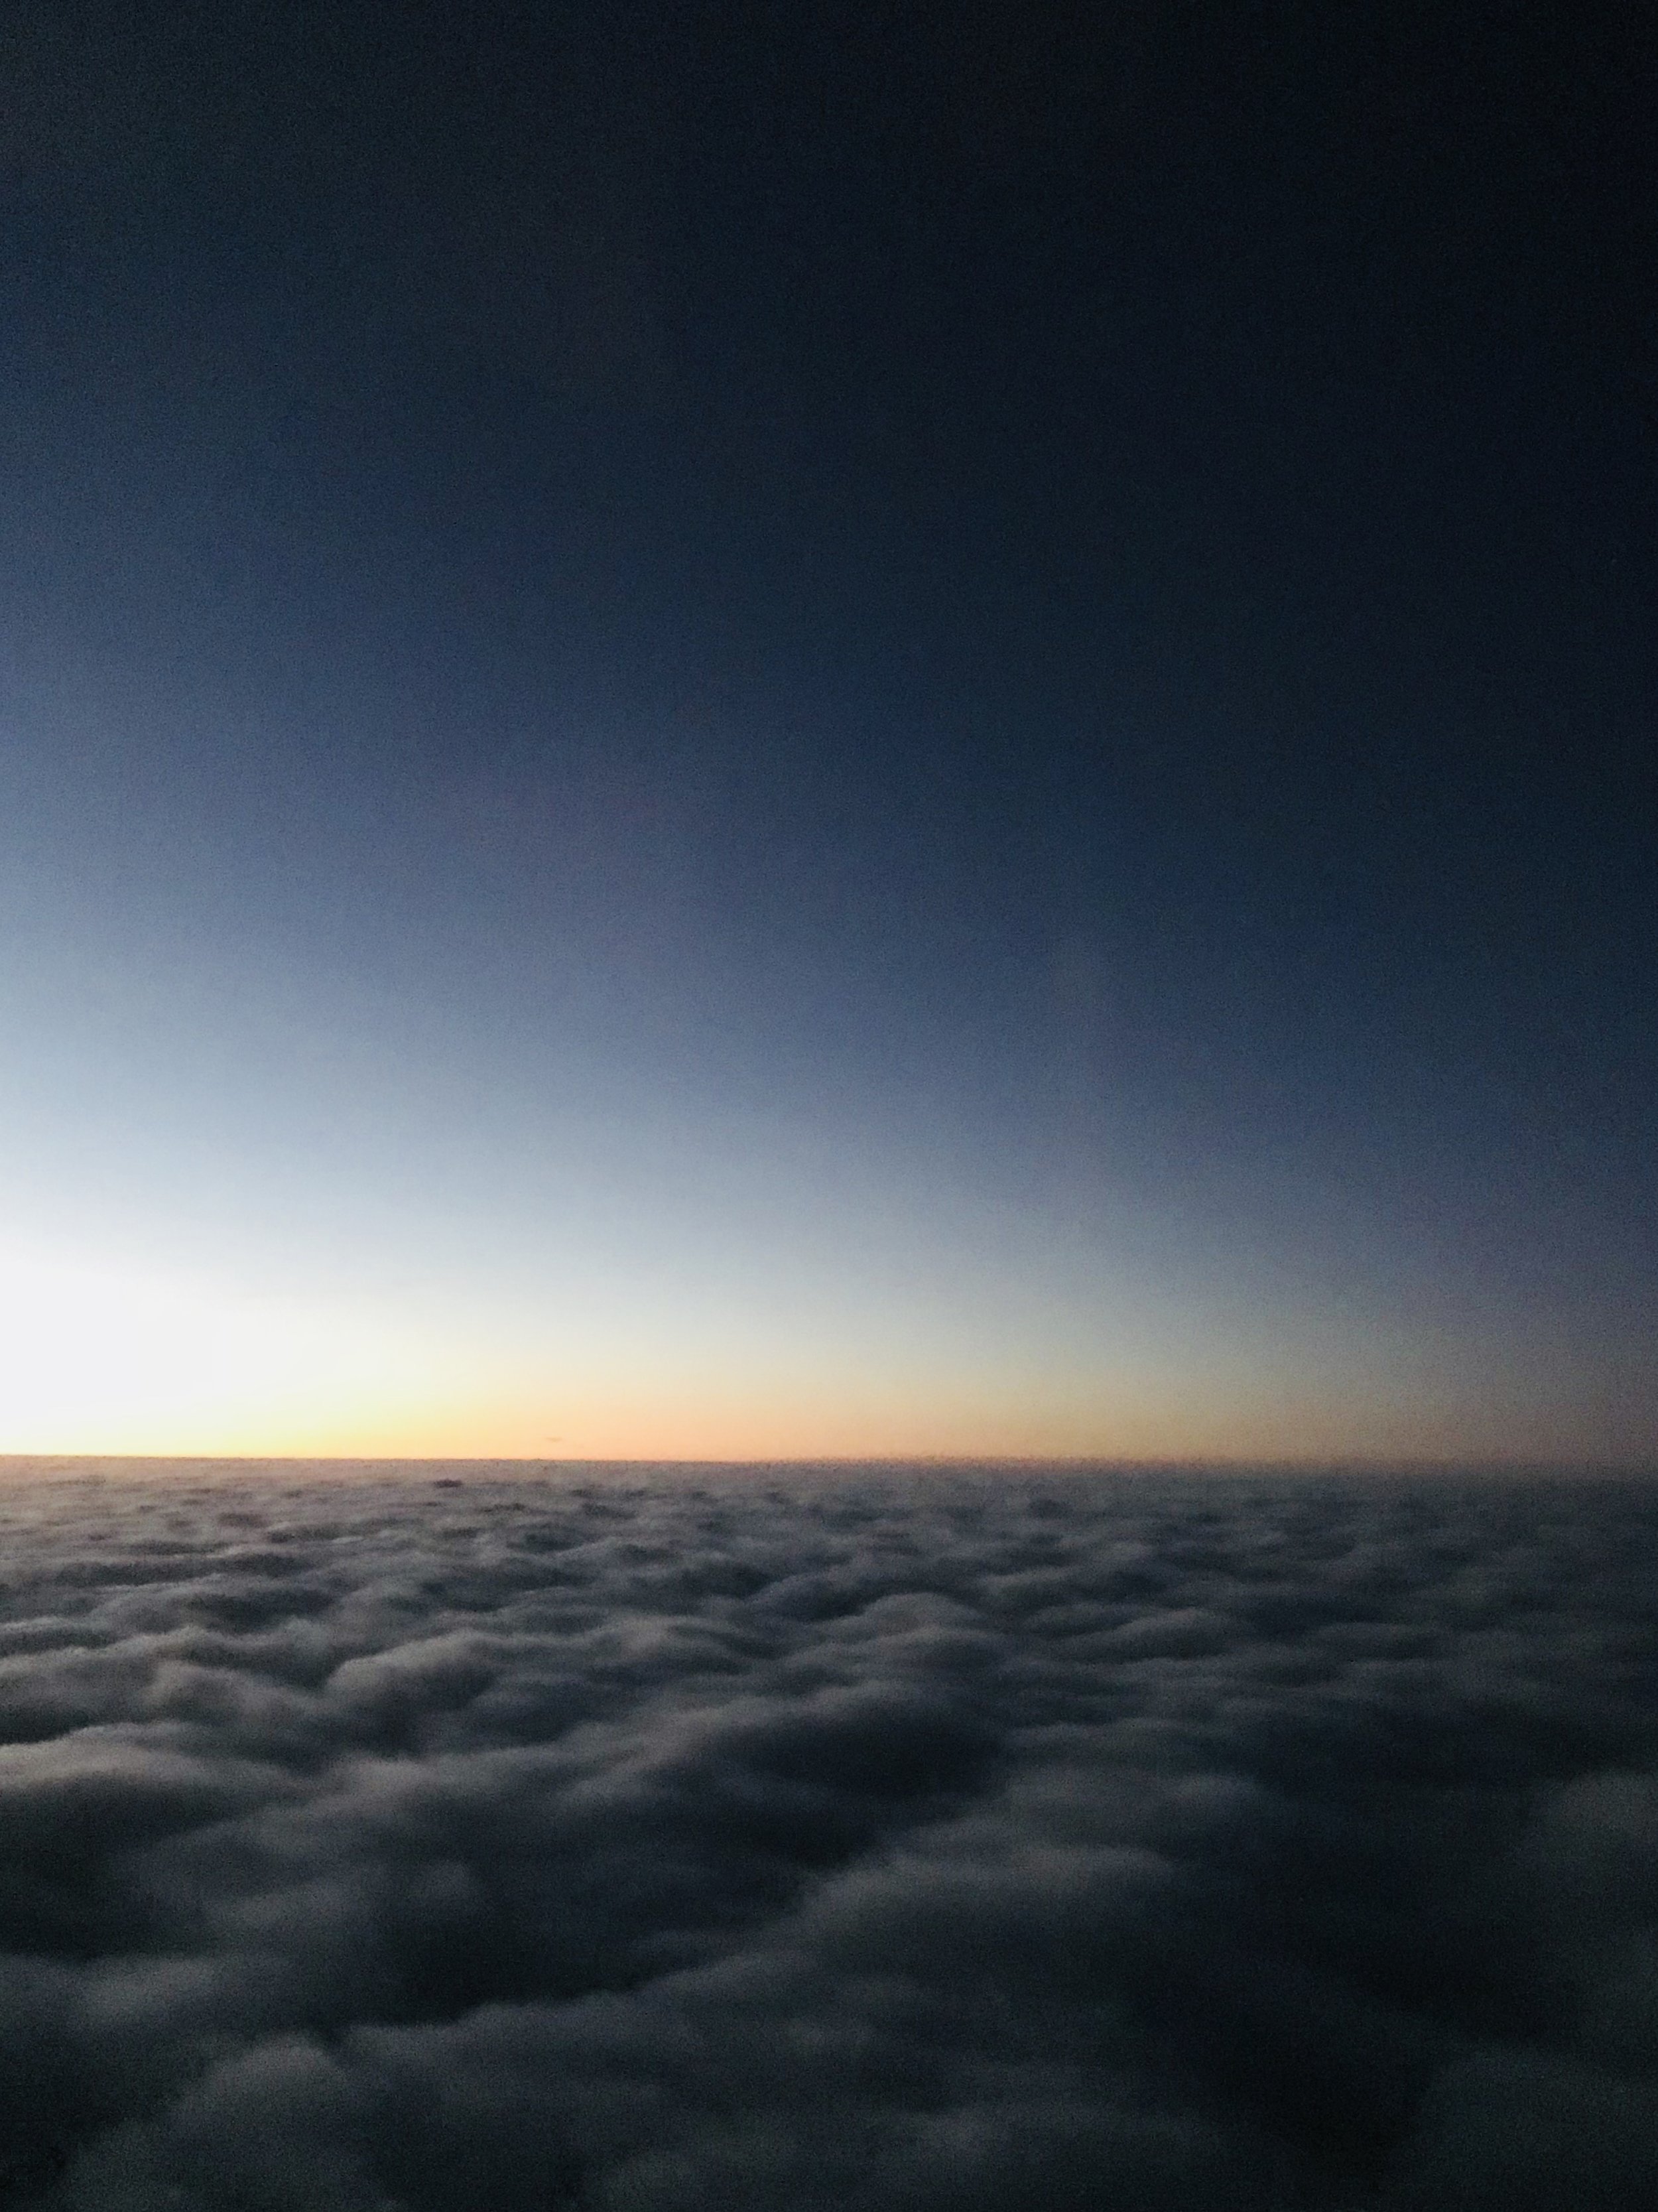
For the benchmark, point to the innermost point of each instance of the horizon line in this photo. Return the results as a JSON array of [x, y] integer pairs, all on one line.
[[1353, 1463]]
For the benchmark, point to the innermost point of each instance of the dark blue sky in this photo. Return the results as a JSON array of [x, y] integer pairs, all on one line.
[[932, 727]]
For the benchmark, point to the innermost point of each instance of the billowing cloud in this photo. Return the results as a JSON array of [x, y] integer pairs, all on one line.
[[651, 1843]]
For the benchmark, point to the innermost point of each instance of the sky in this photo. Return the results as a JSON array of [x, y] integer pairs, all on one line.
[[739, 730]]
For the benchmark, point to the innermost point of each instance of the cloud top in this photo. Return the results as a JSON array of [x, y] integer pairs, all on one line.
[[890, 1842]]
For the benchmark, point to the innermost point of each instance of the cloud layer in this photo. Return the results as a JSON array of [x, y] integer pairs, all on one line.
[[938, 1843]]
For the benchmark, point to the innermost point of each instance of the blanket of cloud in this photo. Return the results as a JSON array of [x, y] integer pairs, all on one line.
[[674, 1841]]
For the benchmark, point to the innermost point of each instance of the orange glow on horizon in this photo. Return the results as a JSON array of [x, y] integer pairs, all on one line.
[[104, 1361]]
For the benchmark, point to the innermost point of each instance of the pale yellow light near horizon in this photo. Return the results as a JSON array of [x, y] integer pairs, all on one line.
[[102, 1358]]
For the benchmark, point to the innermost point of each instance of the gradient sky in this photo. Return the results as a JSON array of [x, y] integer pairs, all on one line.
[[746, 730]]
